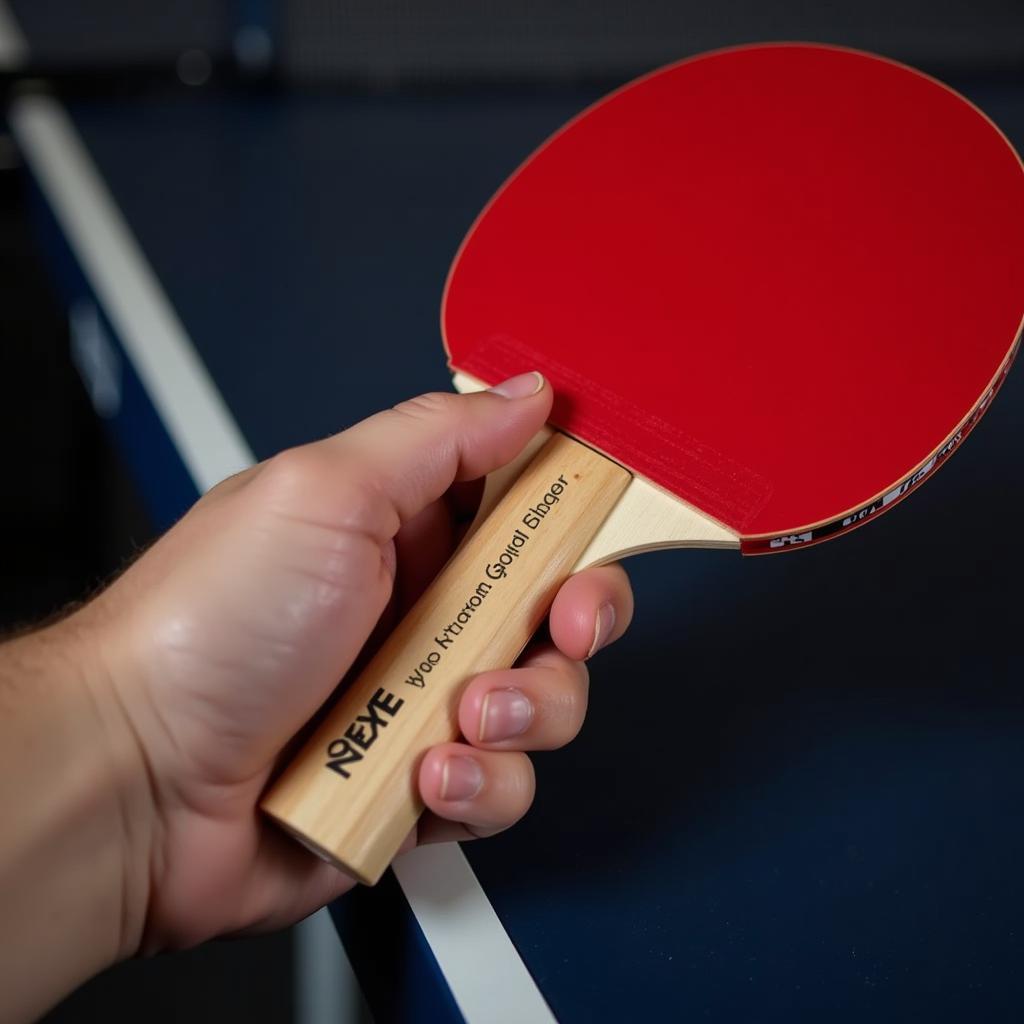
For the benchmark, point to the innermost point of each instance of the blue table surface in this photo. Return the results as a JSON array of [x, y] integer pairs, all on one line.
[[800, 788]]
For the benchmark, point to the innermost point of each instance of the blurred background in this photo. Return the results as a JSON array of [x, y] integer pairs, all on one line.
[[72, 509], [391, 43]]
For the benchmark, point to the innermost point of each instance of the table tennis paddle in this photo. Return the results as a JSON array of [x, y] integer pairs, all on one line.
[[773, 287]]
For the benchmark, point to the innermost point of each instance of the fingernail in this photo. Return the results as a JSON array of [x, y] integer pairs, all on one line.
[[504, 714], [523, 386], [603, 627], [461, 779]]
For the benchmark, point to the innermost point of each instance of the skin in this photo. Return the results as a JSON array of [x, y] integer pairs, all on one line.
[[137, 734]]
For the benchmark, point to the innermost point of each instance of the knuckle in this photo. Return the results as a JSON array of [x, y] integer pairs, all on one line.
[[570, 677], [329, 488], [565, 706], [228, 485], [578, 674], [429, 405], [523, 783], [292, 474], [516, 786], [568, 721]]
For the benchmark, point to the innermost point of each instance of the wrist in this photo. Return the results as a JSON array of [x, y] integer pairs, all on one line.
[[74, 866], [124, 783]]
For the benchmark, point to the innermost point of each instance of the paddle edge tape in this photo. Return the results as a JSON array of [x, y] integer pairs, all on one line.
[[818, 533]]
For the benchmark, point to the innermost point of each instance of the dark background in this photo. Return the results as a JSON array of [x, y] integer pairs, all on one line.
[[69, 514], [403, 41], [69, 518]]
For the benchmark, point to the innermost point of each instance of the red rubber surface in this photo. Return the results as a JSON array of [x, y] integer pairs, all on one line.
[[773, 280]]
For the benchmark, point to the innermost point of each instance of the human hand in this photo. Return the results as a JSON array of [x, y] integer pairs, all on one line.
[[220, 643]]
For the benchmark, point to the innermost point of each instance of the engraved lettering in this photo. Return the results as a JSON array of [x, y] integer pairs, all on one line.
[[363, 732]]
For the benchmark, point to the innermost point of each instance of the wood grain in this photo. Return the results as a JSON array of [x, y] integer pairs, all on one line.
[[351, 793]]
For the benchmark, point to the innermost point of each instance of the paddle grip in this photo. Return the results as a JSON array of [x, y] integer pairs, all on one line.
[[351, 794]]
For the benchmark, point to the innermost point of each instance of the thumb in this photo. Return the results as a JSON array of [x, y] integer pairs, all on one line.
[[412, 454], [249, 610]]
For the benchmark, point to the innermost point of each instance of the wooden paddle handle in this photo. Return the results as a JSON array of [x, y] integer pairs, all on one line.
[[351, 794]]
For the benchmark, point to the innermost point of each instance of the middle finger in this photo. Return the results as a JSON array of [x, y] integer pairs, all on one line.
[[539, 705]]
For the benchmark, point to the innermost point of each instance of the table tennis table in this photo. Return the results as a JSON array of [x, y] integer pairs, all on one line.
[[798, 792]]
